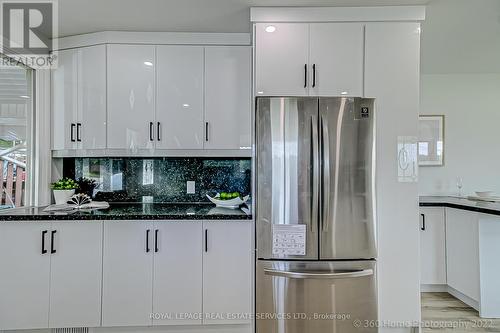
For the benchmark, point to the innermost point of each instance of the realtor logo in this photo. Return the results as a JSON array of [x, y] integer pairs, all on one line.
[[28, 30]]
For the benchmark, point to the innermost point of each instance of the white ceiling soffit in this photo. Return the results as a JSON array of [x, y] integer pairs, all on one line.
[[337, 14], [79, 17]]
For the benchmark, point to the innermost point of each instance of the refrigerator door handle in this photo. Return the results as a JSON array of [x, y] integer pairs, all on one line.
[[316, 275], [325, 147], [315, 167]]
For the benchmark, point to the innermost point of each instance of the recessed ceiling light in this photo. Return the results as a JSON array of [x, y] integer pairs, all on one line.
[[24, 96], [260, 92], [148, 63], [344, 93], [185, 105], [270, 28]]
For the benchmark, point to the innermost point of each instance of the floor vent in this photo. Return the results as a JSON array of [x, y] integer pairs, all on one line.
[[71, 330]]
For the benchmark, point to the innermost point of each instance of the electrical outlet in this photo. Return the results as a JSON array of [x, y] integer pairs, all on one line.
[[190, 187]]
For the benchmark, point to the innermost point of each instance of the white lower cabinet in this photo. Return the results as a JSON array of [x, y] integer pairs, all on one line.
[[227, 272], [177, 273], [50, 268], [24, 275], [151, 273], [127, 273], [75, 274], [462, 251], [432, 246]]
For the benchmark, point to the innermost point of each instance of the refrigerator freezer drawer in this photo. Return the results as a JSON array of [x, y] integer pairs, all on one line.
[[316, 297]]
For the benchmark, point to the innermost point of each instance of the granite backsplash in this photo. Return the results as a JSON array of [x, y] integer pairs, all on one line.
[[161, 179]]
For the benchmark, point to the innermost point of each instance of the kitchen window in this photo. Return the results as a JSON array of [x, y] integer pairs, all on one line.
[[16, 115]]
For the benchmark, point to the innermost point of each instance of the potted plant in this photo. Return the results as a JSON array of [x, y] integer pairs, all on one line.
[[87, 186], [63, 190]]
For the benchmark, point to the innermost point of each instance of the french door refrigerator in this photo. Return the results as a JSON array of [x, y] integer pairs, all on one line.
[[315, 215]]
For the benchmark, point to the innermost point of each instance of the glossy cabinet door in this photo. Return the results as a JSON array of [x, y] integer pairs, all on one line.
[[432, 246], [228, 97], [179, 112], [336, 59], [281, 59], [24, 278], [462, 252], [131, 90], [75, 274], [127, 284], [65, 101], [392, 77], [177, 277], [227, 271], [91, 124]]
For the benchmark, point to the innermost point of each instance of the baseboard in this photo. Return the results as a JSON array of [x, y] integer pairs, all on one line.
[[177, 329], [159, 329], [464, 298], [434, 288]]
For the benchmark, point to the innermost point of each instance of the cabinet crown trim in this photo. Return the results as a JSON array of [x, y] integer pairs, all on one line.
[[153, 38], [337, 14]]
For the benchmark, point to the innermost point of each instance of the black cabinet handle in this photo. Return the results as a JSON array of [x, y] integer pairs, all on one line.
[[52, 246], [156, 240], [72, 131], [147, 241], [423, 222], [206, 131], [305, 76], [158, 131], [78, 138], [151, 131], [314, 76], [44, 250], [206, 240]]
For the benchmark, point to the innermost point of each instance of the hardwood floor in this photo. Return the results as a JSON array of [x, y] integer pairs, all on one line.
[[442, 312]]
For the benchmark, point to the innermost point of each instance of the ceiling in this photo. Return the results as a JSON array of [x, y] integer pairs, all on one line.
[[459, 36], [78, 17]]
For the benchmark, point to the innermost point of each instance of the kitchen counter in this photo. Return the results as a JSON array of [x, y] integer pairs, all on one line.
[[461, 203], [131, 211]]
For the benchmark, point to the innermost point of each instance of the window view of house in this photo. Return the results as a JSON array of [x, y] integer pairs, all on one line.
[[15, 110]]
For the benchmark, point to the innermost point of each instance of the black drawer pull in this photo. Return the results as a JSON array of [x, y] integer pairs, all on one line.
[[147, 241], [52, 245], [156, 240], [206, 240], [423, 222], [44, 250]]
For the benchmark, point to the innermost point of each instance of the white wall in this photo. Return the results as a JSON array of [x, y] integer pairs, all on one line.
[[461, 79], [471, 105]]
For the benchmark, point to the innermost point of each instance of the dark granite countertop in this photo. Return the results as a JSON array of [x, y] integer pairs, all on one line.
[[131, 211], [461, 203]]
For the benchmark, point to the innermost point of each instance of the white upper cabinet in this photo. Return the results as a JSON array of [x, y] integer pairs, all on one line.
[[24, 277], [76, 274], [228, 77], [79, 99], [281, 59], [302, 59], [131, 90], [65, 101], [336, 59], [91, 125], [179, 112]]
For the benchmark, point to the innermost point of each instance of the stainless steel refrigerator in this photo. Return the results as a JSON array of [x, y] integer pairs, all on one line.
[[315, 215]]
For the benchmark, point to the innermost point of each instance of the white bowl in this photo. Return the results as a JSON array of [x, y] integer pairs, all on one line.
[[231, 203], [484, 194]]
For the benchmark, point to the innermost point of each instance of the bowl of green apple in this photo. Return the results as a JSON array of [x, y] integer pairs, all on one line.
[[231, 200]]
